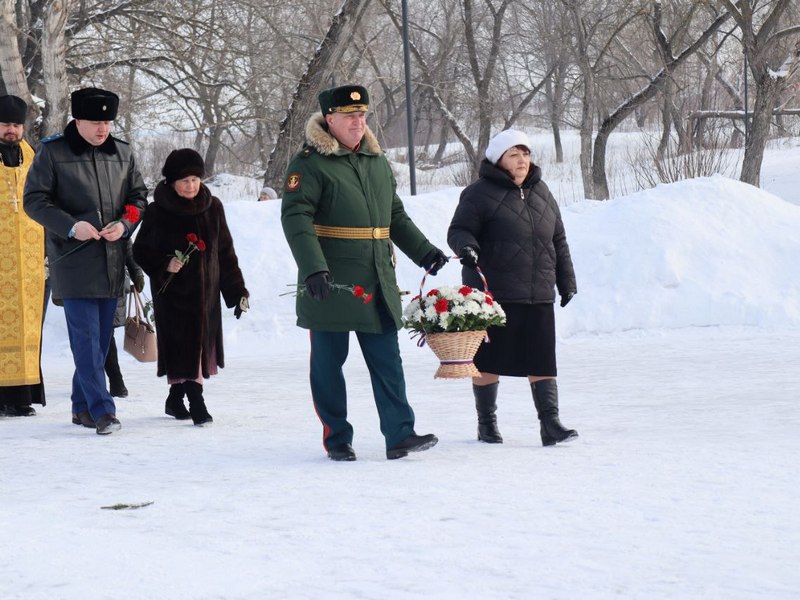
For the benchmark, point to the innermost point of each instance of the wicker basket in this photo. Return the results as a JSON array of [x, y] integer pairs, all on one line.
[[455, 352]]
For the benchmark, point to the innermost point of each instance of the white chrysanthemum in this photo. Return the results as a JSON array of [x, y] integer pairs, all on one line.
[[430, 313], [459, 310], [472, 308]]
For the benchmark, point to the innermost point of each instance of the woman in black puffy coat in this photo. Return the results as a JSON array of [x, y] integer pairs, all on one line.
[[509, 224]]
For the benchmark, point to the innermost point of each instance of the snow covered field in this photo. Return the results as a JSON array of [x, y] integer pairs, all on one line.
[[678, 366]]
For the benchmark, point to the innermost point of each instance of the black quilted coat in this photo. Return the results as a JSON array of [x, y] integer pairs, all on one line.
[[188, 312], [518, 234]]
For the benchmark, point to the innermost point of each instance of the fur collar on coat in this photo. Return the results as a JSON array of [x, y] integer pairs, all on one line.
[[319, 138]]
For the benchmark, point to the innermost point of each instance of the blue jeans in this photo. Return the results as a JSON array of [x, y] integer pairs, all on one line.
[[90, 324]]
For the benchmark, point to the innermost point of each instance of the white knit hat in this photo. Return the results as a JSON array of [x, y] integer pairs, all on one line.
[[503, 141]]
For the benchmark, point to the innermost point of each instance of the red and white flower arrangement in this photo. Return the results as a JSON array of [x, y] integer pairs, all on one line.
[[450, 309]]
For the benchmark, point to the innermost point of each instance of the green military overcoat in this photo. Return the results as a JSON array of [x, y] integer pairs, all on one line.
[[327, 184]]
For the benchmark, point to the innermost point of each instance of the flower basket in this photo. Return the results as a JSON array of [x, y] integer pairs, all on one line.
[[455, 352], [453, 320]]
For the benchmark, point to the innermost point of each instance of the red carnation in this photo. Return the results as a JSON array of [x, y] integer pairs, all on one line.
[[432, 293], [358, 291], [367, 298], [191, 238], [130, 214], [442, 306], [489, 300], [465, 290], [201, 245]]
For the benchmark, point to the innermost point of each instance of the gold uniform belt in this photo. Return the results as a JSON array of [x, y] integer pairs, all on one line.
[[352, 233]]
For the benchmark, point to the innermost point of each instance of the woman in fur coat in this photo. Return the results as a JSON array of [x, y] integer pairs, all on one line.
[[185, 247]]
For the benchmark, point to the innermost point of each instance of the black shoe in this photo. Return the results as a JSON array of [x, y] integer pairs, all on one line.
[[118, 389], [197, 404], [343, 451], [413, 443], [174, 405], [108, 424], [18, 410], [83, 418], [553, 432]]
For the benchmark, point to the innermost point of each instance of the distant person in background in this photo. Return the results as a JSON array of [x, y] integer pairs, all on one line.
[[341, 215], [22, 272], [509, 223], [186, 294], [86, 190], [116, 384], [267, 193]]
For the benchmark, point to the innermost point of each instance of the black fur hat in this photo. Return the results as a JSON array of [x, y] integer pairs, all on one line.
[[12, 109], [182, 163], [94, 104]]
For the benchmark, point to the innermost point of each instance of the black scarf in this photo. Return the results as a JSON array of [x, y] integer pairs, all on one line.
[[167, 198]]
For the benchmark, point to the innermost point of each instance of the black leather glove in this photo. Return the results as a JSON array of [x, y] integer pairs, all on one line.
[[434, 260], [566, 298], [469, 257], [318, 285], [242, 307], [138, 283]]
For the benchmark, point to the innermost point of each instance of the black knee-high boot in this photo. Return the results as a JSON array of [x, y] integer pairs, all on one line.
[[486, 405], [545, 397], [197, 404], [174, 405], [116, 385]]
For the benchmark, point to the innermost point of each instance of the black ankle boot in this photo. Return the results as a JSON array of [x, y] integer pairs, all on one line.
[[174, 406], [197, 404], [486, 405], [545, 397]]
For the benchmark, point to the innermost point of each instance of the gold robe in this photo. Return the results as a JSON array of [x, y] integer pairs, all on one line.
[[21, 280]]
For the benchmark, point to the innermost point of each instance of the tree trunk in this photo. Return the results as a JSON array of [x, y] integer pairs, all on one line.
[[11, 70], [304, 100], [767, 88], [54, 50]]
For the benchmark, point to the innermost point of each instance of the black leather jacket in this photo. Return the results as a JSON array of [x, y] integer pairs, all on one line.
[[69, 181], [518, 234]]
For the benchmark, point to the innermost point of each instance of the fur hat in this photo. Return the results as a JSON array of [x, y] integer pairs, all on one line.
[[344, 99], [503, 141], [94, 104], [183, 163], [12, 109]]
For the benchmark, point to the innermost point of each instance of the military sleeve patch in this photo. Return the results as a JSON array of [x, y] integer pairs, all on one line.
[[293, 182]]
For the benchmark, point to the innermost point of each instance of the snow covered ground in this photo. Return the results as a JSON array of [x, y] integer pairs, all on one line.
[[677, 365]]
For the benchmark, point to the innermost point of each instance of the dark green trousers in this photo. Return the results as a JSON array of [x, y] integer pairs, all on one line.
[[381, 352]]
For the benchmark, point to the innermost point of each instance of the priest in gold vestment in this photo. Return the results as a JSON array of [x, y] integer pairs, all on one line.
[[22, 274]]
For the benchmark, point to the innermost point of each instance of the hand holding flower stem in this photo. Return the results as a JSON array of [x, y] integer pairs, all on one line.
[[86, 232], [179, 259], [356, 290]]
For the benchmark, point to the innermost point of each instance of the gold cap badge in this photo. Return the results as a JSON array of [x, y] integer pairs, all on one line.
[[355, 96]]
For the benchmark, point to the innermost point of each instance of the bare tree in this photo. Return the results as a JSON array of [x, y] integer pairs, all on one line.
[[772, 66], [304, 99]]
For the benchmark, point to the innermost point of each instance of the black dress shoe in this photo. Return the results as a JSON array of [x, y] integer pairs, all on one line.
[[83, 418], [108, 424], [413, 443], [342, 451]]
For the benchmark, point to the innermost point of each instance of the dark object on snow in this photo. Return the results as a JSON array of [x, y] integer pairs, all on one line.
[[486, 405], [413, 443], [174, 405], [108, 424], [545, 397], [127, 506], [342, 451], [83, 418], [197, 404]]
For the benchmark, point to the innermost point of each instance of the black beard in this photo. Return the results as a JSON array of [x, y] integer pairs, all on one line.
[[10, 142]]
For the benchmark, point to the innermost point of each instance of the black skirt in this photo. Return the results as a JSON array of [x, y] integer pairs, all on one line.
[[525, 346]]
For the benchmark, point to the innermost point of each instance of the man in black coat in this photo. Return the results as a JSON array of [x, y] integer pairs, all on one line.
[[85, 189]]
